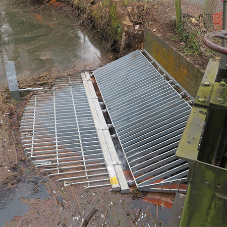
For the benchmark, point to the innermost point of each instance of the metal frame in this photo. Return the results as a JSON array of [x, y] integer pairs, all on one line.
[[59, 135], [149, 117]]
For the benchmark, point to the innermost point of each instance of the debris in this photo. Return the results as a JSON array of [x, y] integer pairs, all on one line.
[[87, 219], [78, 203], [136, 219], [104, 224]]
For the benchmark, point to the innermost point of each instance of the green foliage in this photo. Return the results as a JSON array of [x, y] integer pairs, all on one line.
[[98, 12], [125, 3], [116, 23], [189, 39]]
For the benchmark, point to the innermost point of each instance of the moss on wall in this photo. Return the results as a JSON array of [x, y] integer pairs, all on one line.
[[187, 75]]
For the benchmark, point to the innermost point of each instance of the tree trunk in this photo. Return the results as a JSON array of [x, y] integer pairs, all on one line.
[[178, 11]]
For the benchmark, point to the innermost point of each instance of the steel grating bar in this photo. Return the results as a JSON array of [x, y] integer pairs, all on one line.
[[166, 173], [163, 125], [160, 186], [147, 164], [59, 134], [148, 115], [153, 154], [146, 118]]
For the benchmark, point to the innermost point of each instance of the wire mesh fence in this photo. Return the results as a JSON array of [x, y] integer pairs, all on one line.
[[203, 14], [198, 18]]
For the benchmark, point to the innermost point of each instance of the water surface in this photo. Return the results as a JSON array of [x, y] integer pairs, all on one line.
[[42, 41]]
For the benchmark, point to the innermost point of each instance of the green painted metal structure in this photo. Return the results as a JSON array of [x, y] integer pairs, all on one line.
[[203, 138]]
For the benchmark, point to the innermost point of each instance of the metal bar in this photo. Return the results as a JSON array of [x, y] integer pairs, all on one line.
[[89, 170], [224, 20], [177, 176], [73, 167], [33, 128], [164, 174], [85, 162], [133, 156], [56, 135], [94, 181], [154, 153], [81, 145], [151, 143], [87, 176], [140, 166], [163, 125]]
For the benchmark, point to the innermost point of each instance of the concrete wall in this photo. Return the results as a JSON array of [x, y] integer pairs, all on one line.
[[187, 75]]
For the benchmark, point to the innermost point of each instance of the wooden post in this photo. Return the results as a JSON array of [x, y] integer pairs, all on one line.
[[178, 11]]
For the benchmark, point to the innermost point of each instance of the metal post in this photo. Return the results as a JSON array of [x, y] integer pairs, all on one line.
[[12, 79], [224, 20]]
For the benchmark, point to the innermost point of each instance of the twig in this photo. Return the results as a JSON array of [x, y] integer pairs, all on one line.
[[76, 199], [136, 219], [59, 210], [157, 212], [27, 193], [87, 219], [104, 218]]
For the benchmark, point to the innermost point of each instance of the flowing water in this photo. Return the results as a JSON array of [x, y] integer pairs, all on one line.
[[42, 39]]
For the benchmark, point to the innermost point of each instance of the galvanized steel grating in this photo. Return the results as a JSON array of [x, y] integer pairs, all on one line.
[[58, 133], [149, 117]]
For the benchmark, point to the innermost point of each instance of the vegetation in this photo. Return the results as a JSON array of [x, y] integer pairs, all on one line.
[[189, 39], [115, 22]]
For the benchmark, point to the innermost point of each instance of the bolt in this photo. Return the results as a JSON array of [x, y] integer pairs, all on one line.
[[222, 84], [206, 83], [220, 100], [201, 100]]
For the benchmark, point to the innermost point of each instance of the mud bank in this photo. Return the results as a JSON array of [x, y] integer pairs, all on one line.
[[119, 23]]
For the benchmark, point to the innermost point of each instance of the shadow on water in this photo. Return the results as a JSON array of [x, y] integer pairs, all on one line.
[[11, 199], [42, 41]]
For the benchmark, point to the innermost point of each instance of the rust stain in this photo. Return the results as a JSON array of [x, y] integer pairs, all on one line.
[[128, 175], [38, 17], [55, 3], [159, 202]]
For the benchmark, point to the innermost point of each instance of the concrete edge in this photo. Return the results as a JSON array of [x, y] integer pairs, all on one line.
[[116, 175]]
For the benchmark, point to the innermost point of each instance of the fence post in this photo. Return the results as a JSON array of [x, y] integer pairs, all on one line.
[[178, 11]]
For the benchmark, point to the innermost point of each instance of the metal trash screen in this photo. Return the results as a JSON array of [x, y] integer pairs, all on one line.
[[149, 117], [58, 133]]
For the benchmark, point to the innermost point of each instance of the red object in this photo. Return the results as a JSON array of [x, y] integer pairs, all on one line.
[[217, 20]]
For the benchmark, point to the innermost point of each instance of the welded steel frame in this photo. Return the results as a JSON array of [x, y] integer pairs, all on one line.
[[59, 136], [142, 106]]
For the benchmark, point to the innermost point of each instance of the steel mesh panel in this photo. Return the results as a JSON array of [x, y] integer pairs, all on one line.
[[58, 134], [149, 117]]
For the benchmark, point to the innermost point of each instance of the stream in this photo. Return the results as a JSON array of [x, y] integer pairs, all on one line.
[[44, 40]]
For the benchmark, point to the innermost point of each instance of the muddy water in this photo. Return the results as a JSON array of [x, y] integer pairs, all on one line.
[[11, 199], [41, 40]]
